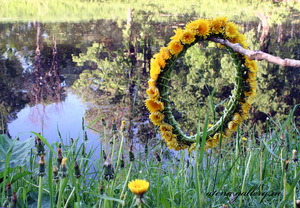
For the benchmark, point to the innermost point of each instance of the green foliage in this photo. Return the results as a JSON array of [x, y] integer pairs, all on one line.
[[20, 150]]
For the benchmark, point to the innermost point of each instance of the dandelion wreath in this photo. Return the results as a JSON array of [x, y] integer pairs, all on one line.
[[238, 106]]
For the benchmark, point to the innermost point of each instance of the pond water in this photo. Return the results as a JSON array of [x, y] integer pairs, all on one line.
[[54, 74]]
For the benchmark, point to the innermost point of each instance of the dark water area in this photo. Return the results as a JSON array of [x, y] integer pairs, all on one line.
[[53, 75]]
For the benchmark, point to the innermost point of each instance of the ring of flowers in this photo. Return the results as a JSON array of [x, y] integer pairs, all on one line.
[[236, 110]]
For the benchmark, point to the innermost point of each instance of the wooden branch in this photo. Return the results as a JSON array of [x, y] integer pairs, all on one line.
[[257, 55]]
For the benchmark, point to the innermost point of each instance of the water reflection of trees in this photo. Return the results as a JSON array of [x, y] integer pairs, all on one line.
[[19, 86], [46, 80], [13, 98]]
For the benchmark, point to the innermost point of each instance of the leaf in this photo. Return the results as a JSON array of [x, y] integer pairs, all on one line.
[[107, 198], [18, 176], [20, 151]]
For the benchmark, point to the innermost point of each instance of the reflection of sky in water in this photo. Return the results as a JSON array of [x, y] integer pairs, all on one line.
[[65, 116]]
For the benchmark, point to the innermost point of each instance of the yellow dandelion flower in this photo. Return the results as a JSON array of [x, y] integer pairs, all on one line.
[[165, 53], [227, 132], [156, 118], [200, 26], [192, 147], [249, 99], [231, 30], [252, 82], [153, 92], [252, 92], [175, 47], [152, 82], [251, 65], [217, 24], [217, 136], [244, 115], [232, 126], [138, 186], [237, 118], [187, 37], [219, 45], [210, 125], [173, 144], [2, 160], [165, 127], [252, 75], [177, 35], [244, 139], [160, 60], [154, 69], [209, 144], [167, 136], [214, 142], [177, 147], [154, 105], [245, 107], [239, 38]]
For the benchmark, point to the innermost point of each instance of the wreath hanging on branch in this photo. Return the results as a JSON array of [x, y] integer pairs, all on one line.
[[237, 108]]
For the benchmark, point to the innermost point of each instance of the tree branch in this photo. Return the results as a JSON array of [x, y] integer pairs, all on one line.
[[257, 55]]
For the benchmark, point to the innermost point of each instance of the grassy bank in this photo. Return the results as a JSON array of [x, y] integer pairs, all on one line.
[[250, 170], [65, 11]]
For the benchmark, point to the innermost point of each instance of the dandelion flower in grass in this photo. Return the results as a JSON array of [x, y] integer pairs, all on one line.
[[156, 117], [187, 37], [231, 30], [175, 47], [154, 105], [138, 187], [153, 92], [244, 139]]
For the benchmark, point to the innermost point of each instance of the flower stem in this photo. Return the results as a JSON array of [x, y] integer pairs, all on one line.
[[40, 192], [295, 205], [245, 176], [126, 181], [61, 187], [76, 192]]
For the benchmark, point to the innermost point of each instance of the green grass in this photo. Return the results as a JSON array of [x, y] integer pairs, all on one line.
[[76, 10], [239, 173]]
